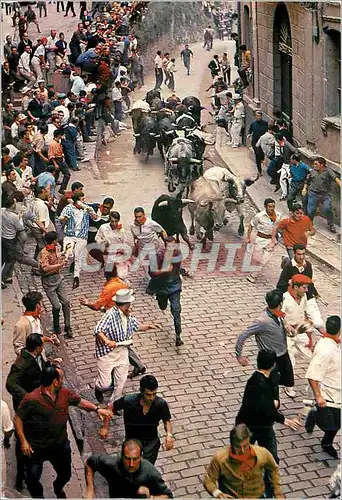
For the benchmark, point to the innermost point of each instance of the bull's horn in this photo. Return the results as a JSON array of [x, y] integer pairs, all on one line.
[[185, 201], [169, 132], [163, 203], [152, 133], [173, 160], [194, 160], [136, 135], [157, 135], [230, 200]]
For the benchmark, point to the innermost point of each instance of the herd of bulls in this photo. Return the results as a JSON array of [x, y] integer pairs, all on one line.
[[175, 128]]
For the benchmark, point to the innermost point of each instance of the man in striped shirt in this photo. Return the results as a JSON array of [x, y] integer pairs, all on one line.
[[114, 334]]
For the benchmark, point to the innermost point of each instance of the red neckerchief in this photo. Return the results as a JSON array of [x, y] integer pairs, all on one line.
[[277, 313], [118, 226], [51, 248], [273, 217], [246, 461], [34, 314], [332, 337], [144, 219]]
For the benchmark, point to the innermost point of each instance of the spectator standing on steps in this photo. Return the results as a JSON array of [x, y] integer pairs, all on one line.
[[41, 425], [318, 188], [142, 414], [42, 6], [158, 69], [238, 120], [245, 65], [51, 262], [324, 375], [186, 55], [257, 128], [237, 471], [128, 476]]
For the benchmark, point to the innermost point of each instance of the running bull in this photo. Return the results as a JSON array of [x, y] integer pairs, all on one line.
[[233, 189], [184, 160], [167, 211], [208, 209]]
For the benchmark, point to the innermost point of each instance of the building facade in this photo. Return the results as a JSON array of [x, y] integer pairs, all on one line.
[[296, 70]]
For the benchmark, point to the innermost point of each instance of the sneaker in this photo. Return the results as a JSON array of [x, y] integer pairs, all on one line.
[[179, 341], [330, 450], [85, 159], [234, 146], [251, 278], [76, 283], [291, 393], [68, 333]]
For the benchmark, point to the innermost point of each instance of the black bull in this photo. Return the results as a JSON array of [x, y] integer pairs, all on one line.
[[146, 136], [167, 211], [193, 105]]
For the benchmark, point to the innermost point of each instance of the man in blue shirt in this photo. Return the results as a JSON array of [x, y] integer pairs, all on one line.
[[299, 172], [256, 129], [46, 179]]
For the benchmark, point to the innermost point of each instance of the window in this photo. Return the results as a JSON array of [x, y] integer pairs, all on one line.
[[333, 72]]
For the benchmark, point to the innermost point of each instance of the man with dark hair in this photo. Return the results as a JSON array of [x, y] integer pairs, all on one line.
[[158, 69], [56, 156], [145, 231], [298, 172], [257, 128], [295, 229], [103, 211], [270, 334], [25, 376], [317, 187], [260, 406], [29, 322], [128, 476], [76, 187], [166, 282], [263, 223], [142, 414], [51, 262], [237, 471], [41, 425], [324, 375]]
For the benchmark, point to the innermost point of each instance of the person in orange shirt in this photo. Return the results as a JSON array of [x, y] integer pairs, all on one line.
[[295, 229], [105, 302]]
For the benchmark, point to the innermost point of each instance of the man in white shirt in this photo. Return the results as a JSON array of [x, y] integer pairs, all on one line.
[[24, 68], [300, 322], [42, 224], [324, 375], [38, 59], [158, 69], [238, 120], [145, 231], [77, 81], [263, 223], [61, 107], [50, 50], [56, 124]]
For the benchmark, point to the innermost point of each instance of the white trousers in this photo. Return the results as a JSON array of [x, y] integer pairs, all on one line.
[[235, 132], [115, 362], [78, 250], [298, 346], [284, 180], [36, 67]]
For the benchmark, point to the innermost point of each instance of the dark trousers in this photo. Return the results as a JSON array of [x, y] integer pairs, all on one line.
[[328, 420], [150, 449], [314, 199], [226, 75], [259, 157], [266, 438], [295, 189], [159, 77], [63, 167], [69, 150], [273, 168], [70, 5], [60, 4], [38, 235], [175, 306], [7, 257], [285, 369], [60, 459]]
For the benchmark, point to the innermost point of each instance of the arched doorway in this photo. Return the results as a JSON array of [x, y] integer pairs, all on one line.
[[282, 63]]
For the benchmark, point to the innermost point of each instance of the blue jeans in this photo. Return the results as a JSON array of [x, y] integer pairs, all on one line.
[[266, 438], [273, 167], [314, 199], [175, 306]]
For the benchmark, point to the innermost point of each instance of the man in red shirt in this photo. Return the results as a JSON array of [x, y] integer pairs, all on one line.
[[295, 229], [41, 426]]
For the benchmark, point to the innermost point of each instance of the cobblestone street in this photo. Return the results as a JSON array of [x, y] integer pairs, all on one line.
[[201, 380]]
